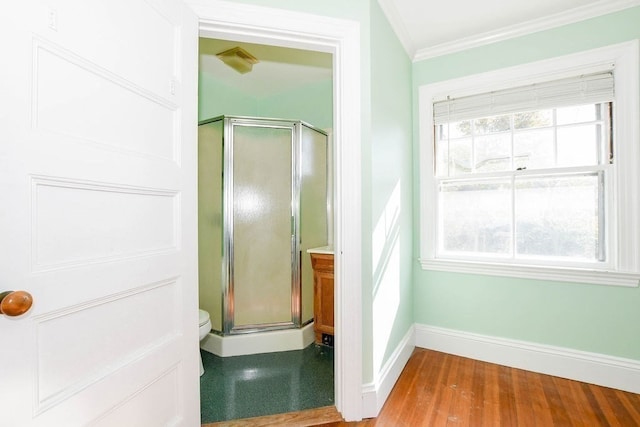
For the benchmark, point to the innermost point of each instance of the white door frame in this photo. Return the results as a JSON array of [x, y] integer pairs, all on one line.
[[277, 27]]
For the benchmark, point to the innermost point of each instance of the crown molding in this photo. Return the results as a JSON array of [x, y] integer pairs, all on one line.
[[397, 24], [577, 14]]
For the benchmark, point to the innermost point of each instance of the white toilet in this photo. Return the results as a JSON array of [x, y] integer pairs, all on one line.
[[205, 328]]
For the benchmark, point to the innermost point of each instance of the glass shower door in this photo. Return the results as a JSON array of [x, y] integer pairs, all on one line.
[[262, 253]]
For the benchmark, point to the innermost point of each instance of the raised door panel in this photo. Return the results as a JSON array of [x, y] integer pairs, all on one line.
[[325, 297]]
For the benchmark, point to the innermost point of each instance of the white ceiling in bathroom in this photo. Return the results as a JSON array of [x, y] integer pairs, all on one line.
[[280, 69]]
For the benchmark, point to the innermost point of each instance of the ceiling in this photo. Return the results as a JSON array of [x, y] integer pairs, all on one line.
[[426, 28], [432, 27]]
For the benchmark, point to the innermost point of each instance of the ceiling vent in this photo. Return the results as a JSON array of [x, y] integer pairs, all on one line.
[[238, 59]]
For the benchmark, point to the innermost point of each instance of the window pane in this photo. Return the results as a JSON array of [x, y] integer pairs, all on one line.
[[557, 216], [442, 157], [493, 153], [475, 217], [533, 119], [459, 156], [456, 129], [577, 114], [578, 145], [537, 141], [492, 124], [533, 149]]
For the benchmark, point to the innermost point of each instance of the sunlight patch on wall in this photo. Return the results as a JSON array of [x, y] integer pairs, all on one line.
[[386, 278]]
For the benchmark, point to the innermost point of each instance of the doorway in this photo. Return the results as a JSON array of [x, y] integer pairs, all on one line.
[[341, 38], [264, 95]]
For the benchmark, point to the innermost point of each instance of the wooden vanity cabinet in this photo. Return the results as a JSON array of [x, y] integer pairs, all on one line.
[[323, 297]]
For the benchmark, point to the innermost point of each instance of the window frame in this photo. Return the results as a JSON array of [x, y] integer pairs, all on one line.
[[623, 193]]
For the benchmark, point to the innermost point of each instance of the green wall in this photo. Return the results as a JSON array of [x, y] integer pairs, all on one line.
[[312, 103], [594, 318], [216, 99], [391, 184]]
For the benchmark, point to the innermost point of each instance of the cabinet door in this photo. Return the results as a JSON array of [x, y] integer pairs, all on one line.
[[324, 303]]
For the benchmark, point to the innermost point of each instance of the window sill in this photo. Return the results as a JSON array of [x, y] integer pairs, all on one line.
[[575, 275]]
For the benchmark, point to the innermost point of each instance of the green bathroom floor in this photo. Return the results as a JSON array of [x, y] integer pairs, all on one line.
[[264, 384]]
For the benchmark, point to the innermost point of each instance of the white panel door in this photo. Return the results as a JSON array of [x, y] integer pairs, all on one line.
[[98, 213]]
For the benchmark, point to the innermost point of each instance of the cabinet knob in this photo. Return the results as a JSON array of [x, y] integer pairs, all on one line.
[[15, 303]]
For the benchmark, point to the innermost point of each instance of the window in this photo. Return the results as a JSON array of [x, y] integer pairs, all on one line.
[[524, 186], [531, 171]]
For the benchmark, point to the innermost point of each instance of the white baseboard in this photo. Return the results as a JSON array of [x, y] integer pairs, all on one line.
[[259, 342], [594, 368], [375, 394]]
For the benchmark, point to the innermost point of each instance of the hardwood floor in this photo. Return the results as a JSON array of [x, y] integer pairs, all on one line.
[[438, 389]]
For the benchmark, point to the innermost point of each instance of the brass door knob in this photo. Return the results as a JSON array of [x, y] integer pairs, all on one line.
[[15, 303]]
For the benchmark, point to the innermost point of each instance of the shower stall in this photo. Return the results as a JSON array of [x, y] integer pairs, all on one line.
[[263, 201]]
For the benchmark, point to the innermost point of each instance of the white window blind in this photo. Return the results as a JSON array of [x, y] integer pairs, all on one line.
[[577, 90]]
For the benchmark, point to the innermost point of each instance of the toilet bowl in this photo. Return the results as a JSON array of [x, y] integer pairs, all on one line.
[[204, 329]]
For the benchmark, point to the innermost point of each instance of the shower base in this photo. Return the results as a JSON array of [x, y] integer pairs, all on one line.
[[259, 342]]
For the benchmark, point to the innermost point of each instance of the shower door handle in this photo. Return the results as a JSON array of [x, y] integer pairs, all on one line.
[[15, 303]]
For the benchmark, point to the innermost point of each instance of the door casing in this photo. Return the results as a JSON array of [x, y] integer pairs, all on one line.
[[247, 23]]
